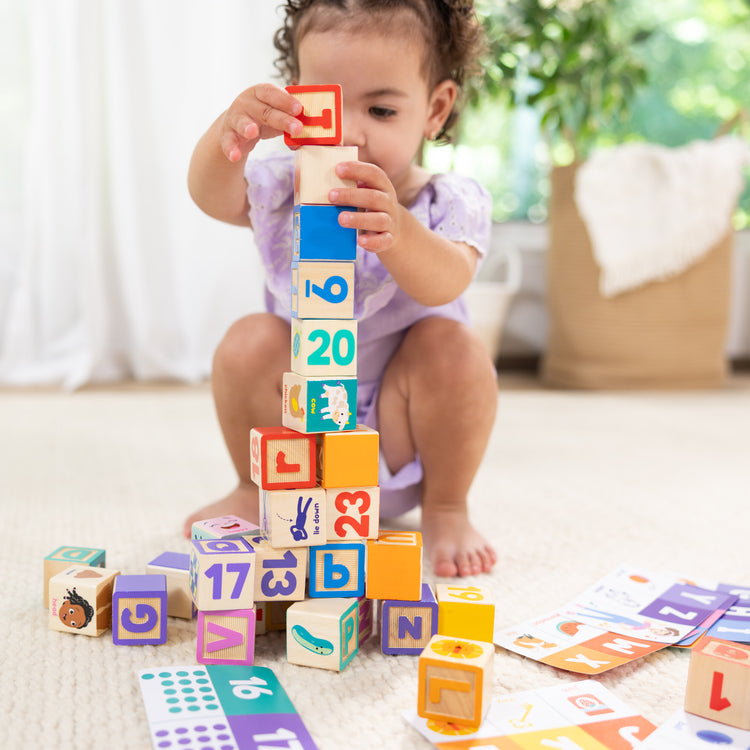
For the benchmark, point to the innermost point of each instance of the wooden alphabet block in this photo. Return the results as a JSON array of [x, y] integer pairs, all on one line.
[[80, 599], [280, 573], [281, 458], [366, 619], [226, 637], [223, 527], [317, 234], [322, 633], [349, 459], [455, 680], [337, 569], [407, 627], [315, 172], [261, 617], [718, 686], [465, 611], [321, 115], [352, 513], [323, 289], [394, 566], [175, 566], [293, 518], [64, 557], [276, 614], [222, 574], [324, 348], [139, 610], [318, 404]]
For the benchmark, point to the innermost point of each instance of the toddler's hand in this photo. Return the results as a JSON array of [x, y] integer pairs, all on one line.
[[262, 111], [378, 222]]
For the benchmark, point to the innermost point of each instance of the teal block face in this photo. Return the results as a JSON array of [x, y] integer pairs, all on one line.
[[332, 405], [95, 558], [319, 236]]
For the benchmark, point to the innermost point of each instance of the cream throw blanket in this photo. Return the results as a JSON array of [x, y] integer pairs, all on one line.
[[652, 211]]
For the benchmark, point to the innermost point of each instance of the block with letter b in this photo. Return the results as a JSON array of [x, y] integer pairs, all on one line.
[[337, 570], [318, 235], [226, 637], [394, 566], [455, 680], [465, 611], [324, 348], [322, 633], [80, 599], [349, 459], [281, 458], [222, 574], [718, 686], [321, 115], [139, 610], [318, 404], [352, 513], [323, 290], [315, 172], [407, 627]]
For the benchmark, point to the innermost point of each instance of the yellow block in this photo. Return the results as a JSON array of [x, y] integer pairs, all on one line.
[[349, 458], [394, 566], [465, 611]]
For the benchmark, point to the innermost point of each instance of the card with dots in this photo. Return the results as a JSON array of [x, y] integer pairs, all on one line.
[[220, 707]]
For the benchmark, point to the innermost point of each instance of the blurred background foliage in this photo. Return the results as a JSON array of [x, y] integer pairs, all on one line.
[[564, 76]]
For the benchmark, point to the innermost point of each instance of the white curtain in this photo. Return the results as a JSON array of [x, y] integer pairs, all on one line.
[[107, 269]]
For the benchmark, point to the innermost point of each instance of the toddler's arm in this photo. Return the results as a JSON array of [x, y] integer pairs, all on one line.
[[216, 178]]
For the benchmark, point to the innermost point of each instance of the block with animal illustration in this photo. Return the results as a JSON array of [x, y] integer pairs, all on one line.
[[321, 115], [223, 527], [281, 458], [63, 557], [323, 290], [455, 680], [337, 569], [323, 633], [352, 513], [294, 517], [139, 610], [80, 599], [349, 459], [407, 627], [465, 611], [222, 574], [315, 172], [319, 404], [324, 348], [280, 572], [175, 567]]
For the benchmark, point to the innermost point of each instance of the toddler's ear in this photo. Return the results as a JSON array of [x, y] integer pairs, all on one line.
[[441, 103]]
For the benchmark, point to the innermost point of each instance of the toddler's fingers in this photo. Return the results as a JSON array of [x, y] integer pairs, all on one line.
[[278, 109]]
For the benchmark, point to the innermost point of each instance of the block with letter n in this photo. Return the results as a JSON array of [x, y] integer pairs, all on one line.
[[222, 574], [281, 458], [139, 610], [718, 686], [407, 627], [455, 680]]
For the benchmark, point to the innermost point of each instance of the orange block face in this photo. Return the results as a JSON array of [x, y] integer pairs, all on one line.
[[718, 686], [281, 458], [455, 680], [394, 566], [348, 459]]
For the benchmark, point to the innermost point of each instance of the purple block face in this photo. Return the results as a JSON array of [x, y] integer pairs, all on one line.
[[175, 560], [406, 627], [139, 610]]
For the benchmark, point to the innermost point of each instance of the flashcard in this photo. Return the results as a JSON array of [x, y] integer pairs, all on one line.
[[684, 731], [237, 707], [582, 715], [732, 624]]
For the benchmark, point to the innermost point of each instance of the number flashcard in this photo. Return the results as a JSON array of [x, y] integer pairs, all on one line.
[[202, 707]]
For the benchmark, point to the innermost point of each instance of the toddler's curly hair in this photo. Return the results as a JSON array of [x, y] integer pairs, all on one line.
[[452, 36]]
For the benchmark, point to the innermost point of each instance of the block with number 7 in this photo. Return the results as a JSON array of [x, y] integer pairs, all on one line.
[[222, 574]]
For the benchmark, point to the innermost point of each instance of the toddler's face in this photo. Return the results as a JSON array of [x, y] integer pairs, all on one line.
[[385, 96]]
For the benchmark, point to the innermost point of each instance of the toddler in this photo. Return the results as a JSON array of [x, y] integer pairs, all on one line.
[[425, 380]]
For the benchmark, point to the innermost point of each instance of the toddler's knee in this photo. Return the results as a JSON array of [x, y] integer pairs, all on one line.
[[251, 342]]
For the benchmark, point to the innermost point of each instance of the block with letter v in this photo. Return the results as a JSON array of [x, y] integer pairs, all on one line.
[[226, 637]]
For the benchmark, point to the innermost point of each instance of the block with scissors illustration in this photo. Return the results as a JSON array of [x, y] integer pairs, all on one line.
[[293, 517]]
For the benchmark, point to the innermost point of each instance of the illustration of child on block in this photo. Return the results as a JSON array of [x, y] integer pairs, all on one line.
[[426, 382]]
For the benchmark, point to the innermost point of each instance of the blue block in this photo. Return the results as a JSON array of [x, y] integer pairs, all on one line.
[[337, 570], [319, 236]]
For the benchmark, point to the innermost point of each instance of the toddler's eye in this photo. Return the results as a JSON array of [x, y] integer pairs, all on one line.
[[382, 113]]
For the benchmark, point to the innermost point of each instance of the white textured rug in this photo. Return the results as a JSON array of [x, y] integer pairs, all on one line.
[[573, 484]]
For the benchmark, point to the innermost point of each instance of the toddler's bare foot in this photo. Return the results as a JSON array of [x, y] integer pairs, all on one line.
[[454, 545], [242, 502]]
